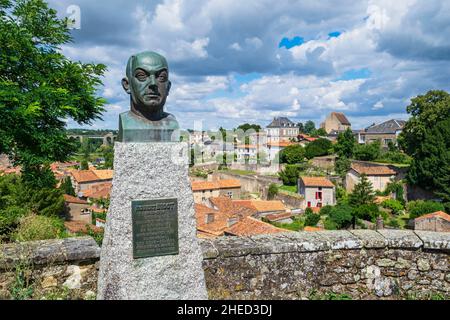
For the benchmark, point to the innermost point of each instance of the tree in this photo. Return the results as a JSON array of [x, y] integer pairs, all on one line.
[[40, 87], [292, 154], [345, 144], [430, 166], [67, 188], [368, 152], [420, 207], [425, 138], [311, 218], [342, 166], [301, 128], [273, 191], [319, 147], [309, 127], [289, 175], [362, 193], [246, 126], [340, 217]]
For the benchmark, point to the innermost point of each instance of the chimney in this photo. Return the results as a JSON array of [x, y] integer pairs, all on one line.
[[380, 223]]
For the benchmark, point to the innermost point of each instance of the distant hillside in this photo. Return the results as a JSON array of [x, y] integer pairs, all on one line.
[[89, 132]]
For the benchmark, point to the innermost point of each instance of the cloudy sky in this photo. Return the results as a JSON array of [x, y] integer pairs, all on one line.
[[234, 61]]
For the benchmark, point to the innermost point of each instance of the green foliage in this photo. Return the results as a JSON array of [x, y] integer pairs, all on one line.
[[340, 217], [97, 236], [22, 287], [301, 128], [345, 144], [296, 225], [341, 195], [329, 296], [311, 218], [421, 207], [318, 133], [426, 138], [84, 165], [18, 198], [366, 212], [309, 127], [40, 87], [292, 154], [66, 187], [362, 193], [34, 227], [368, 152], [394, 205], [319, 147], [325, 211], [273, 191], [108, 154], [394, 223], [246, 126], [342, 166], [396, 187], [289, 175]]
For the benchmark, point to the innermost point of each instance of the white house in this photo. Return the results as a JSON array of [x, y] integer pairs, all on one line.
[[317, 192]]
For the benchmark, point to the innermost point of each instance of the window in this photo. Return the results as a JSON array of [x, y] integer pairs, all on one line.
[[319, 195], [309, 204], [230, 194]]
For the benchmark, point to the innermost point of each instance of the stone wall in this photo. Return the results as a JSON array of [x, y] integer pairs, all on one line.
[[363, 264], [50, 269]]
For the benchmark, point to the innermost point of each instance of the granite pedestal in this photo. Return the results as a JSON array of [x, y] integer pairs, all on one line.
[[147, 171]]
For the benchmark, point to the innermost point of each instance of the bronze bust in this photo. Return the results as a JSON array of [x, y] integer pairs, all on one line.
[[147, 82]]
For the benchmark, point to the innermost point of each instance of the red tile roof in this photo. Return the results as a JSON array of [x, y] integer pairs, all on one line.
[[281, 144], [373, 170], [317, 182], [438, 214], [81, 227], [312, 229], [250, 226], [215, 185], [279, 216], [91, 175], [72, 199]]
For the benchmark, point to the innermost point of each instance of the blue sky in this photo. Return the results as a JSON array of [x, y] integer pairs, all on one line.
[[249, 61]]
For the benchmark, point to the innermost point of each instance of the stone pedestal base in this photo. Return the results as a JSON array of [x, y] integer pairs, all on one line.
[[145, 171]]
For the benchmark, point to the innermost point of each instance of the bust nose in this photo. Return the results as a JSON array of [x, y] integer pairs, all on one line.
[[152, 81]]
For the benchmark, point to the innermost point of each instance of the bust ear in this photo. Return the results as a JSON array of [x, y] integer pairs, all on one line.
[[169, 85], [126, 85]]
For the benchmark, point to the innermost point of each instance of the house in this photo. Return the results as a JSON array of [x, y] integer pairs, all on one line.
[[378, 175], [246, 153], [438, 221], [274, 148], [77, 209], [222, 216], [280, 217], [317, 192], [387, 131], [204, 190], [258, 138], [83, 180], [75, 227], [281, 129], [336, 121], [263, 208]]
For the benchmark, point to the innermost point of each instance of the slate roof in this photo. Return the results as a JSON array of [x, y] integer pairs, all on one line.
[[390, 126], [281, 122]]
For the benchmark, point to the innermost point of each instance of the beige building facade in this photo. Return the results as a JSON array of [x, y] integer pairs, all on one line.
[[317, 192], [336, 121]]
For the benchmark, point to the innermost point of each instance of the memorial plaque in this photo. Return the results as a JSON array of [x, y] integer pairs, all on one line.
[[155, 227]]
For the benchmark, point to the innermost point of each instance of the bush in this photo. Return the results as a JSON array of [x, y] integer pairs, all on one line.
[[289, 175], [366, 212], [368, 152], [394, 205], [311, 218], [34, 227], [330, 224], [341, 216], [319, 147], [420, 207], [273, 191], [394, 223], [326, 210], [292, 154]]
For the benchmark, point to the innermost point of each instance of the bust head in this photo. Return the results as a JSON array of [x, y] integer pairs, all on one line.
[[147, 81]]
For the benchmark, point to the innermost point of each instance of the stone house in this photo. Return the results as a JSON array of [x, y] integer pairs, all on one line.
[[204, 190], [336, 121], [437, 221], [263, 208], [387, 131], [77, 209], [82, 180], [317, 192], [281, 129], [378, 175]]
